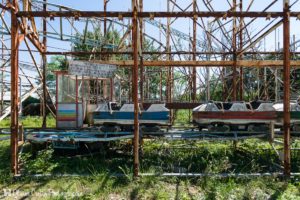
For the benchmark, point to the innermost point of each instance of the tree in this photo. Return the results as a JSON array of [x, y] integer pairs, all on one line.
[[101, 43], [57, 63]]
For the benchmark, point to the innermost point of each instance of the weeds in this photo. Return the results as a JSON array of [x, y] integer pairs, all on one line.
[[160, 156], [30, 122]]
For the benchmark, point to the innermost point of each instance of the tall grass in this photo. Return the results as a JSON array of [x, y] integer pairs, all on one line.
[[30, 122], [217, 157]]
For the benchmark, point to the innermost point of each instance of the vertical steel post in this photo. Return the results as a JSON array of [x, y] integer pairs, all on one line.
[[14, 88], [241, 56], [207, 78], [76, 99], [160, 86], [44, 58], [169, 69], [194, 73], [104, 19], [224, 83], [82, 96], [2, 72], [286, 97], [97, 91], [276, 70], [135, 89], [112, 98], [56, 97], [130, 96], [105, 87], [168, 48], [234, 85], [141, 57]]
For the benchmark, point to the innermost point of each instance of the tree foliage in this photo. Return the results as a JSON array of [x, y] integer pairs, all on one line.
[[57, 63]]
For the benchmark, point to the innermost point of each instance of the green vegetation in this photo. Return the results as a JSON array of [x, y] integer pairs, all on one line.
[[56, 63], [100, 169], [30, 122], [183, 117]]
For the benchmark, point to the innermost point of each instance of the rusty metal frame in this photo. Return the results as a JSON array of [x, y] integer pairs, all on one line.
[[137, 15]]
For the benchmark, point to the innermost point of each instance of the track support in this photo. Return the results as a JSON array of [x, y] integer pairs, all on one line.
[[286, 97]]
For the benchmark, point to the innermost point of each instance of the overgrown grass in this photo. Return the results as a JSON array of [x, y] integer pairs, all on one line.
[[99, 170], [30, 121], [101, 167]]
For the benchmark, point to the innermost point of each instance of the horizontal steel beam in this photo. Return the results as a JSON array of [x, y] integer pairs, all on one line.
[[160, 53], [151, 15], [241, 63]]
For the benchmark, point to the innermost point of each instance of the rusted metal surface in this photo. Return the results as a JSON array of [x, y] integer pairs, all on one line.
[[112, 88], [168, 49], [172, 63], [141, 39], [135, 86], [234, 71], [14, 90], [241, 82], [194, 74], [44, 58], [235, 53], [105, 21], [90, 14], [286, 96], [163, 53]]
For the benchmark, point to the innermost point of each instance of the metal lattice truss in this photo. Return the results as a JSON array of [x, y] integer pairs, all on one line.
[[214, 42], [200, 49]]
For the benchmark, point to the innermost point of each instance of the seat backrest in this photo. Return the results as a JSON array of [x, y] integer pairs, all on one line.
[[102, 107], [238, 107], [127, 108], [206, 107], [157, 108], [265, 107]]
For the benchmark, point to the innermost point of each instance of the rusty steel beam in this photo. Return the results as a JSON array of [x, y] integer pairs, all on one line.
[[263, 35], [44, 59], [111, 97], [37, 68], [4, 7], [194, 73], [2, 68], [32, 37], [159, 53], [151, 15], [242, 63], [168, 49], [14, 90], [105, 19], [135, 86], [141, 41], [241, 82], [264, 10], [286, 96], [234, 49]]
